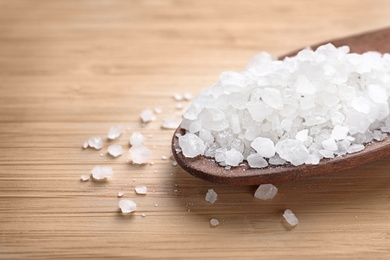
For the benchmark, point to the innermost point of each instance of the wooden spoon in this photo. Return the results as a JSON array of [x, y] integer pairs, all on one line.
[[207, 169]]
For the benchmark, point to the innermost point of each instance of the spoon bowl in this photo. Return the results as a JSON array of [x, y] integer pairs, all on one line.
[[207, 169]]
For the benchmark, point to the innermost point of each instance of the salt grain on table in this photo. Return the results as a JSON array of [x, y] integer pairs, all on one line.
[[211, 196], [142, 190], [102, 172], [290, 217], [85, 177], [95, 142], [114, 132], [115, 150], [127, 206], [266, 192], [139, 154], [214, 222], [120, 194], [136, 138], [147, 116]]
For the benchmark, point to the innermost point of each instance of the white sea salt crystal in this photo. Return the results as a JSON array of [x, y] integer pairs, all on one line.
[[85, 145], [102, 172], [187, 96], [264, 147], [115, 150], [147, 116], [95, 142], [339, 132], [139, 154], [292, 150], [302, 135], [211, 196], [136, 139], [276, 160], [329, 144], [266, 192], [142, 190], [85, 177], [114, 132], [256, 161], [214, 222], [179, 106], [191, 145], [233, 157], [354, 148], [164, 157], [158, 110], [120, 194], [169, 123], [177, 96], [290, 217], [127, 206]]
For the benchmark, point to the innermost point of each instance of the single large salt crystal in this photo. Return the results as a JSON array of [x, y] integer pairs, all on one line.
[[290, 217], [339, 132], [115, 150], [95, 142], [136, 138], [302, 135], [256, 161], [264, 147], [292, 150], [191, 145], [233, 157], [102, 172], [147, 116], [139, 154], [141, 190], [127, 206], [214, 222], [211, 196], [329, 144], [114, 132], [84, 177], [266, 192]]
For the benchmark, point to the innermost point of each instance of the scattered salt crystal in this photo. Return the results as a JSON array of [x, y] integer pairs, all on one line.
[[85, 145], [102, 172], [256, 161], [121, 193], [290, 217], [114, 132], [169, 123], [147, 116], [158, 110], [164, 157], [115, 150], [141, 190], [266, 192], [139, 154], [177, 96], [95, 142], [187, 96], [179, 106], [85, 177], [174, 163], [136, 138], [127, 206], [101, 155], [211, 196], [143, 215], [214, 222]]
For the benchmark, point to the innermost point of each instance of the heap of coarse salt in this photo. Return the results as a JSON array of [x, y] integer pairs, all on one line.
[[139, 154], [102, 172], [317, 104]]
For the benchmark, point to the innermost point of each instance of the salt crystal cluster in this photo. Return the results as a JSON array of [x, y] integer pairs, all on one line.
[[290, 217], [266, 192], [211, 196], [102, 172], [317, 104], [139, 154], [127, 206]]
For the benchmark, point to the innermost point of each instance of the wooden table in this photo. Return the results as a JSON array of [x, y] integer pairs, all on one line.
[[70, 70]]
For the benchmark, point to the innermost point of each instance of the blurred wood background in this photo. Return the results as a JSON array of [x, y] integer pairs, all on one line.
[[71, 69]]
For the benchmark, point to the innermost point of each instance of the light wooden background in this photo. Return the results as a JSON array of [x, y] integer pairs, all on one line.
[[71, 69]]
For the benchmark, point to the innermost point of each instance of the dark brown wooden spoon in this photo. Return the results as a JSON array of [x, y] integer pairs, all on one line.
[[207, 169]]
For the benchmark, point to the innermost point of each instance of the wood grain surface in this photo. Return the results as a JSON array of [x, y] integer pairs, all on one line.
[[71, 69]]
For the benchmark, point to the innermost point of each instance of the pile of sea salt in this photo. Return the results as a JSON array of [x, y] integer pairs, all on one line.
[[317, 104]]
